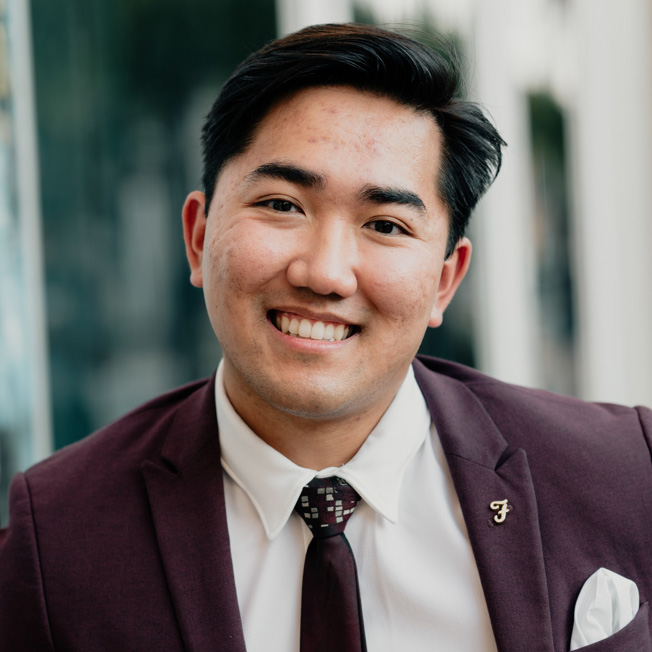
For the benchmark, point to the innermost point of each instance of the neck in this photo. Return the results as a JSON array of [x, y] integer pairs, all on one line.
[[312, 441], [315, 446]]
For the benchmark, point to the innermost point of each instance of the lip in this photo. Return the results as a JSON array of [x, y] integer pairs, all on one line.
[[313, 315], [306, 343]]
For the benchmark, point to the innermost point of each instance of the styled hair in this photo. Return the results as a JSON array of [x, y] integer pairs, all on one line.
[[368, 59]]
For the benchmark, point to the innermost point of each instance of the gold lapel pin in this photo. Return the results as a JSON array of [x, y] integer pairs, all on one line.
[[501, 507]]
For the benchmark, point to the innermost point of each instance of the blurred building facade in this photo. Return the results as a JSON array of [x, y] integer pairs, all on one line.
[[96, 311]]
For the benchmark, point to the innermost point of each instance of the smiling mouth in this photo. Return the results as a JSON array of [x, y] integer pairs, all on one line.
[[311, 329]]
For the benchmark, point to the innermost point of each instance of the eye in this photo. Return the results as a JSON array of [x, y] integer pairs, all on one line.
[[279, 205], [386, 227]]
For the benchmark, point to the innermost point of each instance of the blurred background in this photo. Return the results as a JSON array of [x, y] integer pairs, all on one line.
[[101, 104]]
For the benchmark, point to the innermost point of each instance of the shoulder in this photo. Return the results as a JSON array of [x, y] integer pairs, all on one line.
[[524, 412], [122, 446], [81, 522]]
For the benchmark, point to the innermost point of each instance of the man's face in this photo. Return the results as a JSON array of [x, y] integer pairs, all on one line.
[[322, 257]]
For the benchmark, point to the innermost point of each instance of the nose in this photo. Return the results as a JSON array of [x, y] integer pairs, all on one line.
[[326, 262]]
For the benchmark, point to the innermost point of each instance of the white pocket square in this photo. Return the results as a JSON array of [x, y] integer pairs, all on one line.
[[606, 603]]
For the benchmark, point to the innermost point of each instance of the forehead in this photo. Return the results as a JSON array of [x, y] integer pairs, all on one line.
[[341, 100], [340, 127]]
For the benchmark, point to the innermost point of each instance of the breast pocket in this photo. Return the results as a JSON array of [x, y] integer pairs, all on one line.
[[634, 637]]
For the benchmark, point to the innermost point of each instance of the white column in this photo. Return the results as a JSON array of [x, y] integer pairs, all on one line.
[[611, 139], [29, 215], [504, 260], [292, 15]]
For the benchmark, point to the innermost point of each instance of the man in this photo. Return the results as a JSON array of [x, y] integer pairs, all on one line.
[[340, 170]]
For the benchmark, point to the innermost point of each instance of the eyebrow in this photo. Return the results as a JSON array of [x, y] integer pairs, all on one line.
[[378, 195], [309, 179], [287, 172]]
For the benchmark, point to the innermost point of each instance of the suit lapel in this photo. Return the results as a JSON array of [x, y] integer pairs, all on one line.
[[509, 555], [186, 495]]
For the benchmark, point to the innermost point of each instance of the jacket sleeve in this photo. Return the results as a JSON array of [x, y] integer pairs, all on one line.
[[645, 416], [23, 613]]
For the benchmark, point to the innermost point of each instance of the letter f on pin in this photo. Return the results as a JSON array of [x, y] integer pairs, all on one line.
[[502, 508]]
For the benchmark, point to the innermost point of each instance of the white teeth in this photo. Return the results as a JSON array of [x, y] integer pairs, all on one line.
[[305, 328], [318, 331]]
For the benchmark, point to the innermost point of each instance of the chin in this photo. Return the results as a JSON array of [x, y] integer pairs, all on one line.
[[309, 397], [312, 405]]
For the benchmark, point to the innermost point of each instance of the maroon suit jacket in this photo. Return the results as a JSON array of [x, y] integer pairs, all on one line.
[[120, 541]]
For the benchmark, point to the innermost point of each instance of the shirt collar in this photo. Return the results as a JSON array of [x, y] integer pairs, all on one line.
[[273, 482]]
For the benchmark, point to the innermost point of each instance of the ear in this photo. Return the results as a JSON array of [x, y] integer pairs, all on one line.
[[194, 230], [454, 270]]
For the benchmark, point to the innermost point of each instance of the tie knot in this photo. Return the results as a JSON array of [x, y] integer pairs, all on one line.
[[326, 504]]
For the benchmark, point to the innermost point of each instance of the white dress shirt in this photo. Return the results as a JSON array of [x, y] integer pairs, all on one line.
[[419, 584]]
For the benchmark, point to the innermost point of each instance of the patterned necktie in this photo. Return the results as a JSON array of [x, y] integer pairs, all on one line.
[[331, 616]]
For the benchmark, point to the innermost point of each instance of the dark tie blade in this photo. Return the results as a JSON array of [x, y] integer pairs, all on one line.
[[330, 609]]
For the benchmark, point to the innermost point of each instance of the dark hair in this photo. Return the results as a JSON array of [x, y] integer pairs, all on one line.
[[368, 59]]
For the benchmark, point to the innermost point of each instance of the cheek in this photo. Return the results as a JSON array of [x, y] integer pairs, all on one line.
[[234, 268], [244, 259], [404, 290]]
